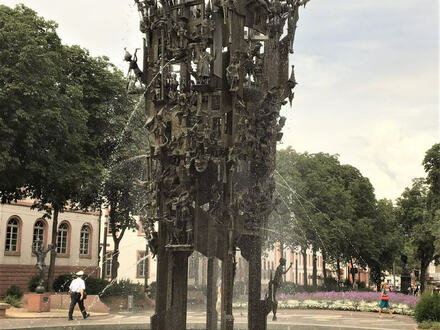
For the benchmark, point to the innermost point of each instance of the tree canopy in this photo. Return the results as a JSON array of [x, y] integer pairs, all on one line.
[[64, 115], [332, 207]]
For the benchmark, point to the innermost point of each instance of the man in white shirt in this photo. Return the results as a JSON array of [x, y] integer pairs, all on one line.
[[76, 290]]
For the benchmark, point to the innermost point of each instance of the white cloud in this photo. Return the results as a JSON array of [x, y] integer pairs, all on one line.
[[367, 72], [395, 154]]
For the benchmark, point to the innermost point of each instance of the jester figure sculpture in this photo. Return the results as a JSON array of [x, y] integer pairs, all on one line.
[[214, 77]]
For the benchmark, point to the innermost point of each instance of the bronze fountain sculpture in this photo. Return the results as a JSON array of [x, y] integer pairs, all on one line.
[[215, 75]]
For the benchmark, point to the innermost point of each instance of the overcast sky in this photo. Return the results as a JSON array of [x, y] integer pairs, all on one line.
[[368, 73]]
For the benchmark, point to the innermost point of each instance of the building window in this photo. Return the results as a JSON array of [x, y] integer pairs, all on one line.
[[108, 264], [84, 241], [142, 262], [63, 232], [12, 236], [38, 235], [141, 231]]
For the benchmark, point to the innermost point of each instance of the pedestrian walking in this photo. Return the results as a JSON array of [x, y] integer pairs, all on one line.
[[77, 295], [416, 291], [384, 300]]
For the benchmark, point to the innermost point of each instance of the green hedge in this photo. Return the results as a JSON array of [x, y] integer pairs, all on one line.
[[101, 287], [428, 308], [34, 281], [62, 282], [15, 291], [430, 325]]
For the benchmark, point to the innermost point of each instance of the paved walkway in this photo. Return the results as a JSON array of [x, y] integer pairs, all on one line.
[[287, 319]]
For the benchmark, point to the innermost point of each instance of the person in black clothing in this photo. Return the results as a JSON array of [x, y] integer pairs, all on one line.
[[77, 295]]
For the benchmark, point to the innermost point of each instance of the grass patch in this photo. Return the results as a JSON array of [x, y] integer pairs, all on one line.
[[13, 301], [429, 325]]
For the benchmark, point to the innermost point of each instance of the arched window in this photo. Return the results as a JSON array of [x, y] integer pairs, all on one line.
[[84, 241], [38, 236], [62, 238], [12, 236]]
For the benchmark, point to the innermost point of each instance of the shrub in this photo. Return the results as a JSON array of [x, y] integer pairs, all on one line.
[[95, 285], [123, 289], [331, 284], [15, 291], [13, 301], [153, 289], [288, 288], [428, 308], [62, 283], [34, 281], [429, 325]]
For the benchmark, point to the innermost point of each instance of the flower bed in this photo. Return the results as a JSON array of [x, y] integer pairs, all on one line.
[[348, 301]]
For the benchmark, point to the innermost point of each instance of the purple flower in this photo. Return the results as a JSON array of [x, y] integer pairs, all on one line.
[[352, 296]]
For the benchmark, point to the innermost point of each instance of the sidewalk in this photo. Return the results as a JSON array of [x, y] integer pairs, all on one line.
[[22, 313], [287, 319]]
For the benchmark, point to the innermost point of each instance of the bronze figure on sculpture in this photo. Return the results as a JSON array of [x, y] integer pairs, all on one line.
[[38, 250], [275, 284]]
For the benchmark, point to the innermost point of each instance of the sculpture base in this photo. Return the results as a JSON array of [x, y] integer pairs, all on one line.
[[40, 289], [39, 302], [405, 283]]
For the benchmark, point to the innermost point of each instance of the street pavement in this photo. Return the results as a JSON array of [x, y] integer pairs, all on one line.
[[287, 319]]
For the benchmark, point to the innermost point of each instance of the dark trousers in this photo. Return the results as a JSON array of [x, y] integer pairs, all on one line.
[[74, 299]]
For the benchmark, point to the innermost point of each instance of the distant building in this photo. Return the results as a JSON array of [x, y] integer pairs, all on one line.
[[20, 228], [271, 260], [433, 274], [133, 254]]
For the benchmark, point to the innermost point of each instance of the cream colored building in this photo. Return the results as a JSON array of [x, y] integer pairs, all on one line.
[[133, 254], [21, 228]]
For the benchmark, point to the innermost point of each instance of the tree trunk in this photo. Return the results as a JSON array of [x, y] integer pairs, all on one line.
[[338, 270], [115, 256], [304, 253], [196, 268], [117, 237], [324, 273], [353, 273], [315, 271], [423, 266], [104, 251], [146, 267], [53, 252]]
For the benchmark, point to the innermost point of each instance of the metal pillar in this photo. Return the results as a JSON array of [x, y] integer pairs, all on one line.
[[158, 319], [257, 316], [211, 299], [227, 290], [176, 315]]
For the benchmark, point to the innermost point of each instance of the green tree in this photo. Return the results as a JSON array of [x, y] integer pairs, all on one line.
[[59, 107], [123, 187], [317, 202], [382, 243], [332, 207], [431, 163], [418, 224]]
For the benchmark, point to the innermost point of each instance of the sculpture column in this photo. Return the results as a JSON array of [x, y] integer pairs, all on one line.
[[176, 315], [158, 319], [227, 291], [257, 316], [211, 297]]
